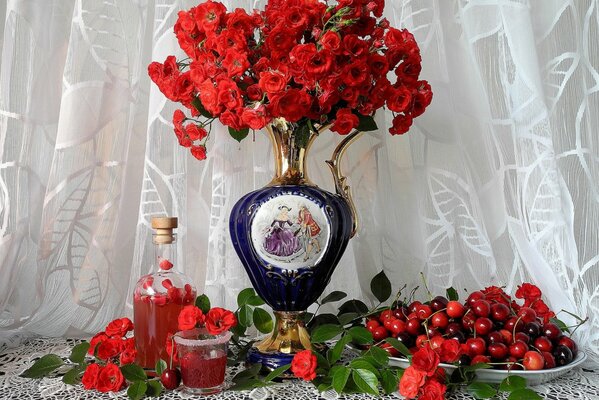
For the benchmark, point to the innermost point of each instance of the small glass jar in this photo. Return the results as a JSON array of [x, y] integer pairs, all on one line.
[[202, 360], [159, 297]]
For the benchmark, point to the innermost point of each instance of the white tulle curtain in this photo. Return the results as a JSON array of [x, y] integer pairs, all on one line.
[[496, 184]]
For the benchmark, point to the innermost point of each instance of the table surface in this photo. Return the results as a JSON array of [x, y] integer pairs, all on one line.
[[579, 383]]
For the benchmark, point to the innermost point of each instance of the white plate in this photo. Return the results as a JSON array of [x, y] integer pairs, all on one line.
[[497, 375]]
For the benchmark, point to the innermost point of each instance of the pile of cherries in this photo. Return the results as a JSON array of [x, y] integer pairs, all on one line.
[[489, 332]]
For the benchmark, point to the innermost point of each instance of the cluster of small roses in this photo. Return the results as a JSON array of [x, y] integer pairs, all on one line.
[[424, 378], [297, 59], [112, 348], [216, 321]]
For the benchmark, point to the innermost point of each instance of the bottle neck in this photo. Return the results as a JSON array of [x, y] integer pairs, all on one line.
[[165, 253]]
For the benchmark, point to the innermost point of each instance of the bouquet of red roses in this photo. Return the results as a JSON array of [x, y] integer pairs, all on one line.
[[302, 60]]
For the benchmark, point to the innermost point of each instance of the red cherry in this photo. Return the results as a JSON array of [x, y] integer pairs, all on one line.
[[481, 308], [549, 360], [421, 340], [507, 336], [522, 337], [542, 343], [437, 341], [440, 320], [483, 326], [439, 303], [414, 306], [380, 333], [518, 349], [474, 296], [170, 378], [455, 309], [389, 349], [527, 314], [414, 327], [424, 312], [499, 312], [476, 346], [533, 329], [372, 325], [398, 326], [513, 363], [495, 337], [432, 331], [498, 351], [533, 360], [480, 359], [401, 313], [551, 331], [468, 321], [388, 322], [385, 315], [453, 327], [569, 343], [514, 322]]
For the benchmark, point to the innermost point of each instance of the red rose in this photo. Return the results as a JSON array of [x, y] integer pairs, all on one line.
[[209, 15], [229, 94], [199, 152], [401, 124], [426, 360], [254, 92], [272, 82], [433, 390], [331, 41], [422, 98], [119, 327], [319, 64], [542, 310], [528, 291], [129, 344], [231, 118], [291, 105], [240, 21], [128, 356], [110, 348], [279, 40], [409, 70], [209, 97], [496, 294], [378, 65], [219, 320], [110, 379], [255, 118], [450, 351], [235, 62], [189, 317], [354, 46], [345, 121], [90, 376], [411, 382], [96, 340], [398, 99], [194, 132], [304, 365], [178, 118]]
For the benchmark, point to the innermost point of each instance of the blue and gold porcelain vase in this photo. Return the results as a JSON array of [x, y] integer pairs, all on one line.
[[290, 235]]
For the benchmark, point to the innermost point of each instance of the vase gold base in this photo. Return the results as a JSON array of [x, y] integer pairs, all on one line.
[[289, 337]]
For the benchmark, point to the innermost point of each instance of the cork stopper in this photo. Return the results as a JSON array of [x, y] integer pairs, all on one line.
[[163, 227]]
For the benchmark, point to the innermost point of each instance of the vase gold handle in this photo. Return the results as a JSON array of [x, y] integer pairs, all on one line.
[[341, 186]]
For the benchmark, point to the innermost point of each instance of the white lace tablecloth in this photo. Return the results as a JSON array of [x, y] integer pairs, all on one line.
[[580, 383]]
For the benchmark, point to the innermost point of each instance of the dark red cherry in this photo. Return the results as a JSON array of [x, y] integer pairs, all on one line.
[[569, 343], [170, 378], [551, 331], [499, 312], [481, 308], [439, 303], [498, 351], [563, 355]]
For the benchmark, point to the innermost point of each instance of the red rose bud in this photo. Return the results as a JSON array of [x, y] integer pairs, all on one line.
[[165, 265]]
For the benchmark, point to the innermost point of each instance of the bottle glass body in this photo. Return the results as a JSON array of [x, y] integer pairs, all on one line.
[[157, 300]]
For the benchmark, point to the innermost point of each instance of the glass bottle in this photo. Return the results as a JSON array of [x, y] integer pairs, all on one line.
[[159, 297]]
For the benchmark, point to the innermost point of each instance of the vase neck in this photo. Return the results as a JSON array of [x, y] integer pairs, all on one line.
[[291, 143]]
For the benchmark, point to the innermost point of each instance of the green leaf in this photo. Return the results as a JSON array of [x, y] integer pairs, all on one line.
[[360, 335], [481, 390], [72, 376], [322, 362], [334, 296], [399, 346], [366, 381], [200, 107], [137, 390], [366, 123], [154, 389], [133, 372], [361, 363], [560, 324], [346, 318], [380, 286], [334, 354], [244, 296], [277, 372], [203, 303], [325, 332], [323, 319], [245, 316], [78, 353], [340, 377], [512, 383], [239, 135], [250, 372], [263, 320], [354, 305], [43, 366], [238, 330], [452, 294], [381, 356], [255, 301], [524, 394], [160, 367], [389, 381]]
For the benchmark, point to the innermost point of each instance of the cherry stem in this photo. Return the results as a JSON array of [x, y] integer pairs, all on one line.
[[425, 285]]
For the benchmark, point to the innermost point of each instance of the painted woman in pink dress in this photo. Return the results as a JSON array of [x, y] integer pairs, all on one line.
[[280, 240]]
